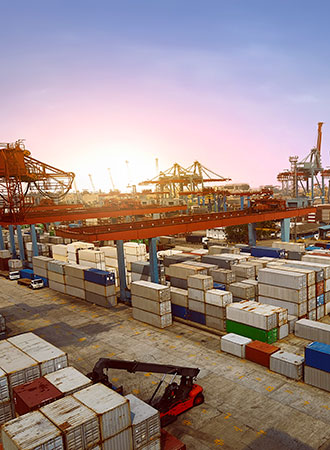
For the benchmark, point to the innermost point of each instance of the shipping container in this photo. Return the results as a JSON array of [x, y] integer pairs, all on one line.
[[47, 355], [287, 364], [145, 422], [75, 292], [4, 389], [254, 333], [195, 316], [179, 296], [179, 283], [280, 293], [121, 441], [313, 331], [31, 396], [215, 322], [152, 319], [33, 431], [101, 300], [169, 442], [234, 344], [99, 289], [242, 290], [196, 294], [215, 311], [260, 352], [7, 411], [295, 309], [223, 276], [317, 355], [57, 286], [56, 266], [277, 277], [196, 305], [317, 378], [283, 331], [78, 423], [180, 311], [68, 380], [216, 297], [202, 282], [253, 314], [268, 252], [152, 306], [223, 262], [153, 291], [112, 409]]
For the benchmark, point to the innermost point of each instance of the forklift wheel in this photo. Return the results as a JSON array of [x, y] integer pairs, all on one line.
[[199, 399]]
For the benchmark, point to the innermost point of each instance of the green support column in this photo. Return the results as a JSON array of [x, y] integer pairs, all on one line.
[[252, 234], [121, 270], [285, 230]]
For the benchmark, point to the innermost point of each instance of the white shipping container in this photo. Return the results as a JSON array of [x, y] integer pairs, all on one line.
[[19, 367], [57, 286], [68, 380], [327, 308], [287, 364], [313, 331], [202, 282], [195, 305], [215, 311], [216, 297], [32, 431], [234, 344], [40, 272], [184, 270], [152, 319], [196, 294], [311, 291], [242, 290], [320, 312], [291, 246], [179, 296], [56, 266], [311, 315], [4, 389], [76, 292], [153, 291], [283, 331], [311, 304], [78, 423], [244, 270], [253, 314], [280, 278], [74, 270], [152, 306], [215, 322], [145, 422], [111, 408], [56, 277], [224, 276], [74, 282], [309, 273], [105, 291], [317, 378], [47, 355], [7, 411], [295, 309], [121, 441]]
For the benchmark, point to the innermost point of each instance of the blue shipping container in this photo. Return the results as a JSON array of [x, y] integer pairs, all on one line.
[[220, 286], [180, 311], [317, 355], [197, 317], [245, 249], [320, 300], [267, 251], [99, 277], [26, 273]]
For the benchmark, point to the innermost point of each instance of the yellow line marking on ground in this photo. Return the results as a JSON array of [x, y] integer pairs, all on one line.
[[219, 442], [261, 432], [147, 374], [135, 391], [94, 316], [241, 376], [114, 379], [154, 382], [228, 415], [82, 339], [288, 391], [203, 411], [186, 422], [269, 388], [111, 354], [306, 402], [237, 428], [172, 346], [192, 356], [325, 406], [258, 379], [96, 346]]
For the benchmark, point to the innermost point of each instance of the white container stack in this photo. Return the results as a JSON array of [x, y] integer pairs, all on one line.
[[32, 431], [91, 258], [56, 272], [145, 424], [81, 429], [241, 291], [287, 364], [68, 380], [244, 271], [197, 288], [234, 344], [6, 406], [49, 357], [74, 248], [15, 264], [215, 308], [179, 273], [74, 280], [40, 265], [60, 252], [113, 414], [313, 331], [223, 276], [151, 303]]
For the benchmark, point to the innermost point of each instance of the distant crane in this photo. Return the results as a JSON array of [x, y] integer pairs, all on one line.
[[111, 179], [128, 174], [92, 183]]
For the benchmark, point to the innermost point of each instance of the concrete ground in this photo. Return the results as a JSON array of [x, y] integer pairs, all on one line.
[[246, 406]]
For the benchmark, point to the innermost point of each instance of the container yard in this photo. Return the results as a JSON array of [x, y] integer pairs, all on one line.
[[164, 226]]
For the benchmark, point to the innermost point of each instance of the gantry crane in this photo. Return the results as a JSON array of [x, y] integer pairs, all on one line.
[[23, 178]]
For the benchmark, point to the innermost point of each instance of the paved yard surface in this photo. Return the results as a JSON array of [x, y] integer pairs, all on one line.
[[246, 406]]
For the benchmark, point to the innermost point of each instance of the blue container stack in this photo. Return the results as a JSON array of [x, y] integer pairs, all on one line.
[[317, 365], [26, 273], [100, 287]]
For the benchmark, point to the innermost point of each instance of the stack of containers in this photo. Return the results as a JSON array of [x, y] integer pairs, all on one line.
[[145, 424], [294, 250], [31, 431], [234, 344], [255, 320], [56, 278], [179, 302], [110, 255], [100, 287], [15, 264], [78, 423], [324, 260], [134, 252], [91, 258], [178, 273], [215, 308], [244, 271], [317, 365], [267, 252], [253, 283], [219, 249], [223, 261], [287, 364], [140, 270], [42, 250], [113, 413], [49, 357], [284, 289], [3, 328], [242, 291], [223, 276], [74, 248], [313, 331], [198, 285], [206, 266], [68, 380], [56, 240], [5, 256], [151, 303], [40, 267], [18, 368], [260, 352], [312, 287], [60, 252], [75, 280], [179, 258]]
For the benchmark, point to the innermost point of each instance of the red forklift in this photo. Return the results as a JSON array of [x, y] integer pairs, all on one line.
[[177, 398]]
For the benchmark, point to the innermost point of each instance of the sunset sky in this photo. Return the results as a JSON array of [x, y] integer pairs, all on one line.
[[239, 85]]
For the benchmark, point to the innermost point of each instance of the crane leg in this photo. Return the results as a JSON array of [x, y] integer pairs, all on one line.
[[2, 244], [285, 230], [35, 251], [252, 234], [12, 241], [20, 243], [121, 269], [153, 260]]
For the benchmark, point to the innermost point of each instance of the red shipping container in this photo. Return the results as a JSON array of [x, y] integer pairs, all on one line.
[[259, 352], [33, 395], [319, 288], [170, 442]]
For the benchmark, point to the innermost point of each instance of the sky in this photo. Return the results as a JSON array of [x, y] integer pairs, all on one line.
[[238, 85]]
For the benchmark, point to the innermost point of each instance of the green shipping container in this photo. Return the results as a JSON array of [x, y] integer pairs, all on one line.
[[251, 332]]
